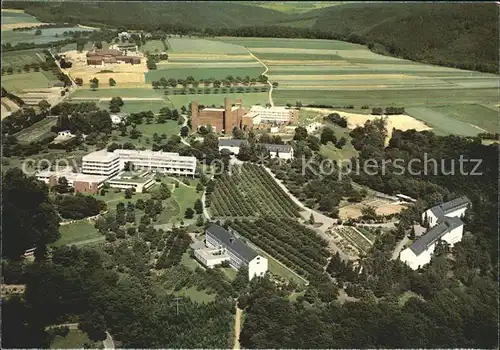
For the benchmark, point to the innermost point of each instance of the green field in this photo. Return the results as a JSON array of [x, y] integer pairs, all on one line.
[[18, 82], [203, 73], [186, 45], [291, 43], [169, 128], [330, 151], [74, 340], [153, 46], [441, 123], [16, 59], [37, 130], [76, 232], [17, 17], [478, 115], [297, 56], [182, 198]]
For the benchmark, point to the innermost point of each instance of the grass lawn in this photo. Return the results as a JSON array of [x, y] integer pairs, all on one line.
[[104, 92], [74, 340], [229, 272], [153, 46], [403, 298], [203, 73], [199, 296], [77, 231], [330, 151], [171, 127], [18, 82], [189, 262], [182, 198], [218, 99], [138, 106]]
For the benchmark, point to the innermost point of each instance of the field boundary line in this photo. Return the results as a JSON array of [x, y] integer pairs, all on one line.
[[361, 234]]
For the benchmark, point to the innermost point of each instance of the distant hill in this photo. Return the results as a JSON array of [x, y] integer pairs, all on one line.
[[141, 15], [449, 34]]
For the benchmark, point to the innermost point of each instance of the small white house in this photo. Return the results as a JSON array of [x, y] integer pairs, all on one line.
[[118, 118]]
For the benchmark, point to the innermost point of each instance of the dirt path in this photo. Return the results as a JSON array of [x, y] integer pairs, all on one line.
[[265, 73], [237, 327], [399, 247]]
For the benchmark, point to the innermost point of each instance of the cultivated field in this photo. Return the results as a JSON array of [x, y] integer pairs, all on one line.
[[250, 191], [47, 36], [18, 82], [8, 107], [16, 18], [17, 59], [339, 73], [350, 240]]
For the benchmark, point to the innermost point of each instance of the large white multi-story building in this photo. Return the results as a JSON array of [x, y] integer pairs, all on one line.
[[164, 162], [101, 163], [225, 246], [445, 224], [281, 114]]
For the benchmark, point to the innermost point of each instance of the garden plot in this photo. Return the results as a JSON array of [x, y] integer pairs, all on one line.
[[350, 240], [37, 130]]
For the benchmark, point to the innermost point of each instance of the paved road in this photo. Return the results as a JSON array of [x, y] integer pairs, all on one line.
[[399, 247], [183, 140], [265, 73], [237, 326]]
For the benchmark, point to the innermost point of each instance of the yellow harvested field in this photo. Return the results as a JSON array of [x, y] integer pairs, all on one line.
[[342, 77], [398, 121], [8, 107], [21, 25], [125, 75], [13, 10], [207, 56]]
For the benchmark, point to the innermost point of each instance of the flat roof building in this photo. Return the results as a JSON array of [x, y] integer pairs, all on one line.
[[83, 183], [276, 114], [164, 162], [101, 162]]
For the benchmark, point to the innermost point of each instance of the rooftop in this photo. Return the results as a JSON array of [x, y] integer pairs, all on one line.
[[129, 177], [211, 253], [434, 234], [230, 142], [279, 148], [442, 209], [72, 176], [151, 154], [232, 243], [275, 108], [213, 109], [101, 155]]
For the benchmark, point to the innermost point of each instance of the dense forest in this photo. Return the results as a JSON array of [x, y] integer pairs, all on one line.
[[455, 35]]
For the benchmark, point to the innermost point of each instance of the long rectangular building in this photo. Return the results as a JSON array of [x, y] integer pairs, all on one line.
[[280, 151], [240, 254], [276, 114], [164, 162]]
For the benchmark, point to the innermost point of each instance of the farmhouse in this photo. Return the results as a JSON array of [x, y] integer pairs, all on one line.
[[280, 151], [100, 57], [223, 245], [445, 224]]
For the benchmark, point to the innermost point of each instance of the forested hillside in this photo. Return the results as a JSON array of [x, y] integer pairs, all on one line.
[[458, 35], [455, 35]]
